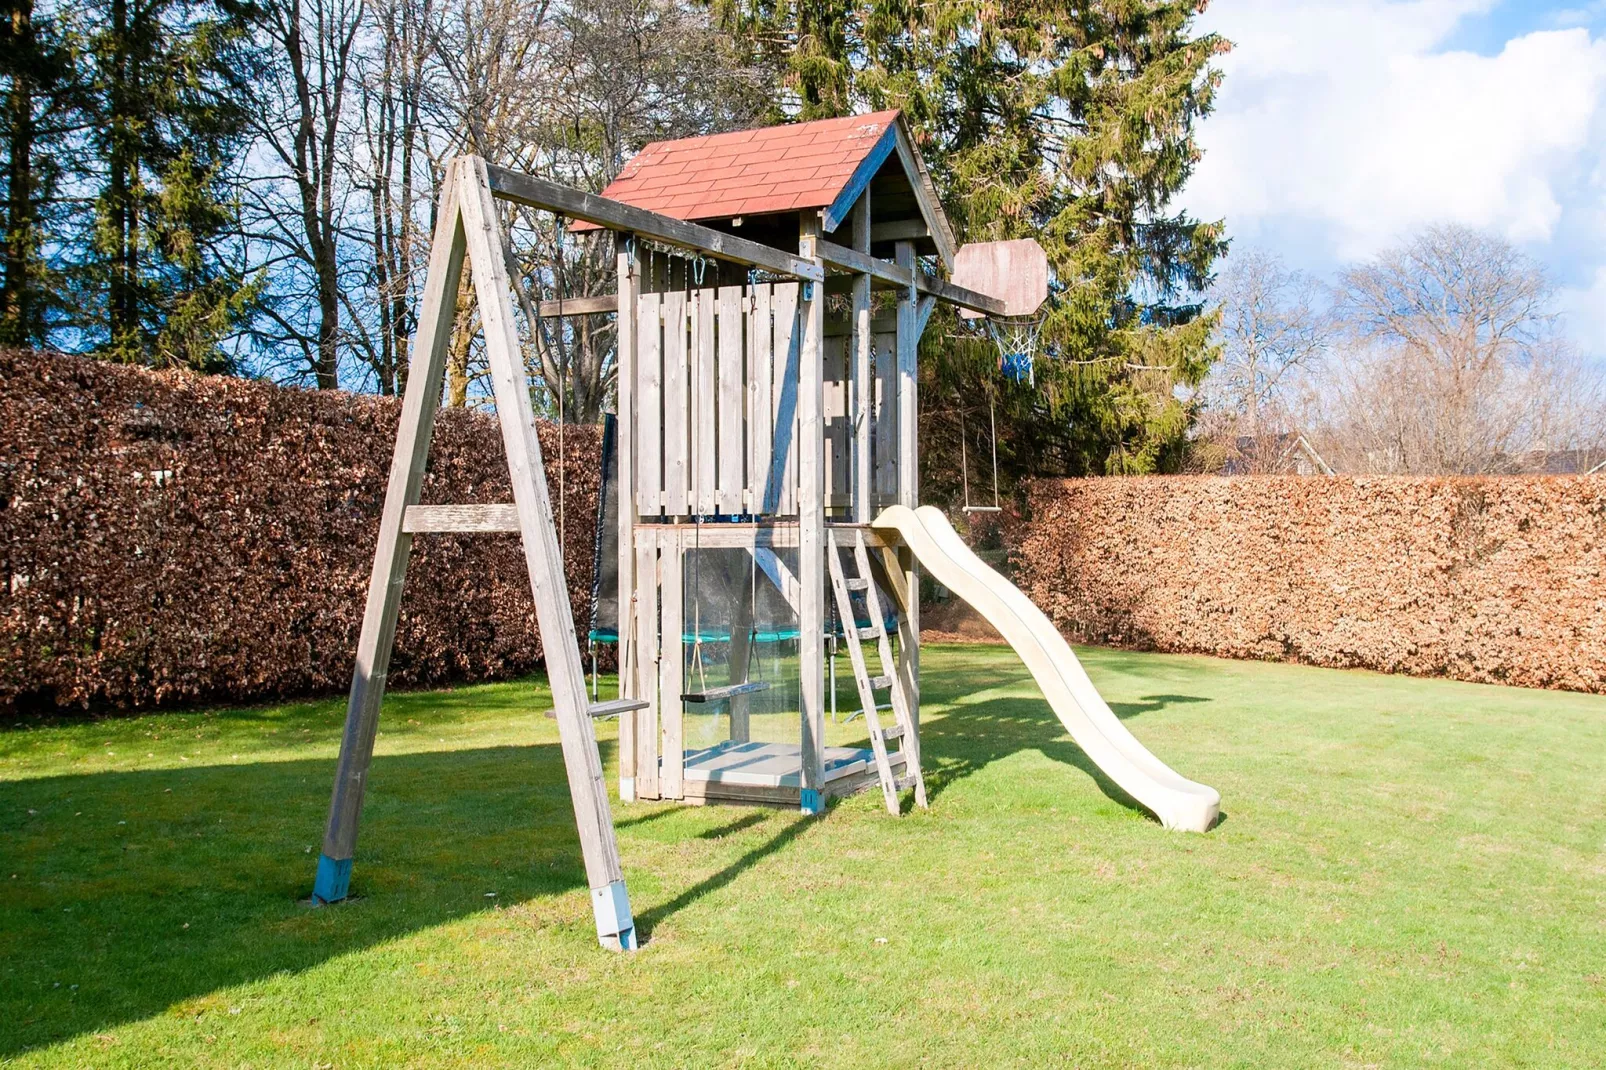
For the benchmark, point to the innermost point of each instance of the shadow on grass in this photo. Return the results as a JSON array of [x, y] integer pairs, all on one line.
[[127, 893], [730, 828], [135, 892], [800, 824], [971, 737]]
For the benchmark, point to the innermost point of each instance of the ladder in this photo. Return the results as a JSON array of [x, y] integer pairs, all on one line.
[[902, 731]]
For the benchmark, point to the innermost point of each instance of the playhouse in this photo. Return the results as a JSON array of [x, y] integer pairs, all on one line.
[[761, 427], [764, 513]]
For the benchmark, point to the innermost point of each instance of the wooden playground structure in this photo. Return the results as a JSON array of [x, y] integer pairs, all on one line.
[[772, 291]]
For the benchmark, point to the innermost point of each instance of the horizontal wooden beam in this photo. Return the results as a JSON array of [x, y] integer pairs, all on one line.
[[578, 306], [899, 230], [460, 518], [943, 290], [846, 259], [840, 256], [616, 215], [718, 536]]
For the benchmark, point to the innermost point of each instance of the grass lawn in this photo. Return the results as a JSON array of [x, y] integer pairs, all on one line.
[[1409, 873]]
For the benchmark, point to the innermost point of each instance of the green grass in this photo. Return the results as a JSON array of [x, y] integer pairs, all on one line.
[[1409, 873]]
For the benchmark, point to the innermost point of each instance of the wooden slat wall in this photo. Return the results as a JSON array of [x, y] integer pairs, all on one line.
[[715, 392], [838, 428], [671, 668], [646, 733], [677, 424], [884, 425], [760, 365], [649, 404], [787, 342], [703, 402], [732, 398]]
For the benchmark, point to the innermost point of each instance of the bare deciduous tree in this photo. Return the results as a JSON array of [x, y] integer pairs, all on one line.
[[1272, 332], [1455, 363], [297, 204]]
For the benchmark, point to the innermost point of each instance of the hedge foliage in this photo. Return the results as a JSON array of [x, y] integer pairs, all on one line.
[[1494, 579], [170, 538]]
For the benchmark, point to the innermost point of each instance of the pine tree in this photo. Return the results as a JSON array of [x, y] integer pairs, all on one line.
[[39, 113], [159, 284], [1069, 122]]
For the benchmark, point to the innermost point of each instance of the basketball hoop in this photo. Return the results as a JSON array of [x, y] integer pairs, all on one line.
[[1016, 340], [1016, 273]]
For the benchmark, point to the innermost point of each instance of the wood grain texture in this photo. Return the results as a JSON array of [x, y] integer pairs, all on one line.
[[671, 667], [628, 266], [732, 399], [760, 391], [861, 404], [526, 470], [913, 313], [677, 406], [616, 215], [436, 314], [649, 404], [704, 361], [811, 520], [787, 343], [460, 518]]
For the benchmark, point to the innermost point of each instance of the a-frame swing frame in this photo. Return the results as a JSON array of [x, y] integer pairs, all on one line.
[[467, 226]]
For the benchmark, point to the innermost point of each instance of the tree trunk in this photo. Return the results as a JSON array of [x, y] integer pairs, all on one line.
[[19, 312], [122, 315], [457, 355]]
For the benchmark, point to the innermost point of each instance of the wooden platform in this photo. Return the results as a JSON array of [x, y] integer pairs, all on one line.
[[769, 774]]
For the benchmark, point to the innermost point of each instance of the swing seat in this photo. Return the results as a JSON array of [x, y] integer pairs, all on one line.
[[720, 694]]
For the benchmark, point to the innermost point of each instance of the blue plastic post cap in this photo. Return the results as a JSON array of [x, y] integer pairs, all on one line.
[[333, 881]]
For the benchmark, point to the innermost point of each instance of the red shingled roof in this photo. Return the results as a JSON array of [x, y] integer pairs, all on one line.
[[751, 172]]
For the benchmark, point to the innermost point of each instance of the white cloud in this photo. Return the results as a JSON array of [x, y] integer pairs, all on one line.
[[1341, 121]]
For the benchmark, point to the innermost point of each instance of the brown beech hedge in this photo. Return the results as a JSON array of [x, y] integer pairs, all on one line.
[[1499, 579], [169, 538]]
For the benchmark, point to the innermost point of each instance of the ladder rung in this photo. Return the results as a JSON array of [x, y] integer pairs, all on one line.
[[869, 631], [880, 682], [858, 583], [614, 707], [895, 732], [899, 783], [720, 694]]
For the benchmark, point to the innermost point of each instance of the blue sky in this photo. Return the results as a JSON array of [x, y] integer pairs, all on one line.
[[1343, 125]]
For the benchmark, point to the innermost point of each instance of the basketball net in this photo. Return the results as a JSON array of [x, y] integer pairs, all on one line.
[[1016, 340]]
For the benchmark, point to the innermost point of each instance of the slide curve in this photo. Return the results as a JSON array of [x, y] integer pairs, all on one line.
[[1178, 802]]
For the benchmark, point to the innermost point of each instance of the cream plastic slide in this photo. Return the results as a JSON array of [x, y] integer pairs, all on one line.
[[1179, 803]]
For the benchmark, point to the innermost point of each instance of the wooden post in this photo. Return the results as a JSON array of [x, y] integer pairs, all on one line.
[[741, 651], [391, 550], [862, 395], [468, 227], [646, 718], [629, 267], [811, 523], [671, 666], [544, 560], [910, 327]]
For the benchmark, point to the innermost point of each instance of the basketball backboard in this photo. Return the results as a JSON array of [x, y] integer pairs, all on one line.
[[1016, 272]]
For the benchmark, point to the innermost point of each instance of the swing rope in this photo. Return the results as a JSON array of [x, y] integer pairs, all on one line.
[[964, 454]]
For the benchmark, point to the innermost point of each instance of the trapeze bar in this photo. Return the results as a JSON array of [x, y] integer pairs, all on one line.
[[614, 707], [720, 694]]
